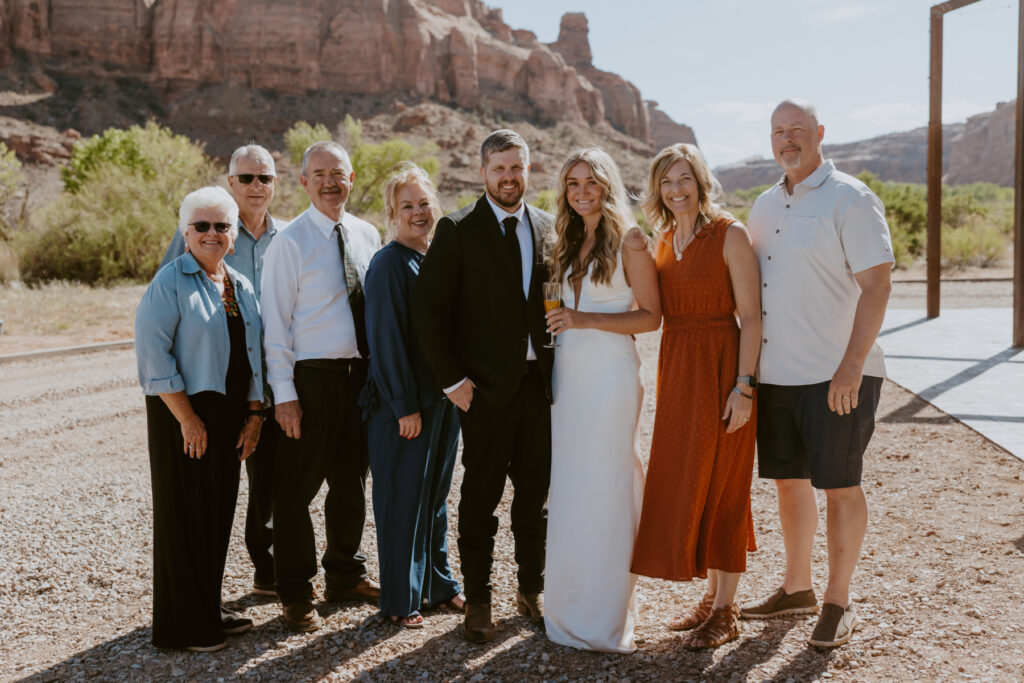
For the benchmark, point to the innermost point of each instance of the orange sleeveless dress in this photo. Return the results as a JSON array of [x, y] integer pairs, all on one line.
[[696, 506]]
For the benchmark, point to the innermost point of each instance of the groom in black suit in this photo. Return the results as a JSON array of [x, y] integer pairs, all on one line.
[[479, 316]]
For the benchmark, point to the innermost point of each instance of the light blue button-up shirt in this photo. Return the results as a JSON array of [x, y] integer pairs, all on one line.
[[249, 251], [181, 331]]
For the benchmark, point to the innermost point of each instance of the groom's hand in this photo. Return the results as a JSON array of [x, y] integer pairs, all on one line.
[[463, 395]]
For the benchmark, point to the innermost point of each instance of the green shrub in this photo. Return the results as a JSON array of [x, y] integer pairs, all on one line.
[[11, 180], [302, 135], [977, 245], [374, 163], [116, 222], [545, 200]]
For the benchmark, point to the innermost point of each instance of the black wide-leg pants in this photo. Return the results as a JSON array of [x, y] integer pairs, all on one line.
[[513, 440], [332, 448], [259, 536], [193, 508]]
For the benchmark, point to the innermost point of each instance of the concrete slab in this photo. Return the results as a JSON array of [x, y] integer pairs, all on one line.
[[963, 364]]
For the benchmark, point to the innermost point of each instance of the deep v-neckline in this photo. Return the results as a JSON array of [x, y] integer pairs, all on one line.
[[577, 297]]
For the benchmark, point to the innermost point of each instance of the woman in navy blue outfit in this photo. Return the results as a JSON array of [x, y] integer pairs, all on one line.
[[413, 430]]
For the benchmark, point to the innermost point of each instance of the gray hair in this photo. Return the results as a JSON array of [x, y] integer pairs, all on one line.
[[325, 146], [803, 105], [209, 197], [251, 151], [501, 140]]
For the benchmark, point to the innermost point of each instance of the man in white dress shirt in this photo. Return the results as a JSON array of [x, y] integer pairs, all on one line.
[[316, 366], [825, 253]]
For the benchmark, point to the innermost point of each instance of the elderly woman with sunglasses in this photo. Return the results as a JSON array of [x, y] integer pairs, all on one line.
[[197, 341]]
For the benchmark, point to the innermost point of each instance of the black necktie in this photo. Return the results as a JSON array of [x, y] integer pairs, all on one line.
[[356, 300], [512, 242]]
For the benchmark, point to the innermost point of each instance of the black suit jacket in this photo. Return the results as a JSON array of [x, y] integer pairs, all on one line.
[[469, 311]]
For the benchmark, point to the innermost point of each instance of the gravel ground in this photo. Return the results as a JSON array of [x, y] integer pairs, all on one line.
[[939, 587]]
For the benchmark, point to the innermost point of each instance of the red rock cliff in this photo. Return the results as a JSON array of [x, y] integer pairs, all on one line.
[[458, 52]]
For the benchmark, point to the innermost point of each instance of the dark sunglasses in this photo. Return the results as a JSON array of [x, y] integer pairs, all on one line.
[[246, 178], [203, 226]]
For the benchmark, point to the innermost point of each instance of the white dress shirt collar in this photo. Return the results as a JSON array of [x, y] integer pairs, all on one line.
[[501, 214], [324, 222]]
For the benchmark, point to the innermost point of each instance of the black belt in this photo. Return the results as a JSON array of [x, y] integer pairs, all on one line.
[[332, 363]]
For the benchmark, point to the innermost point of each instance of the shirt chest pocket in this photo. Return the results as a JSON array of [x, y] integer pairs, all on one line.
[[323, 280], [812, 234]]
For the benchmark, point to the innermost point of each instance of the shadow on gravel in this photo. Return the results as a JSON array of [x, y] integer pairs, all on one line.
[[131, 657], [1019, 544], [755, 646], [908, 413], [808, 665]]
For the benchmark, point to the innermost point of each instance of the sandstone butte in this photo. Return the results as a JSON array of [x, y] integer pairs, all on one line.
[[456, 52]]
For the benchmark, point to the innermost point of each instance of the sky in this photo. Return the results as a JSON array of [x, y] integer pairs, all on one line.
[[720, 66]]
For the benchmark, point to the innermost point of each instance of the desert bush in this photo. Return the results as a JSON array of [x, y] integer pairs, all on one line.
[[11, 182], [976, 245], [545, 200], [9, 263], [302, 135], [114, 219], [465, 199], [374, 163]]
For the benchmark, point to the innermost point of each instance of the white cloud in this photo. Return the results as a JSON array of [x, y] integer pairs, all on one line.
[[845, 13]]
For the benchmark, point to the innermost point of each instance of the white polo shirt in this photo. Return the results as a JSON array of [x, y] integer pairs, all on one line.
[[809, 246]]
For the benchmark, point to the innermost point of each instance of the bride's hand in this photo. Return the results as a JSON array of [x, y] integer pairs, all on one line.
[[562, 319], [737, 410]]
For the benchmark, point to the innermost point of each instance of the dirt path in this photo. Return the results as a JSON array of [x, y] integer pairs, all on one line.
[[939, 584]]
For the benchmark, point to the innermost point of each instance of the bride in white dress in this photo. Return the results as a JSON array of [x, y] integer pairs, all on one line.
[[609, 292]]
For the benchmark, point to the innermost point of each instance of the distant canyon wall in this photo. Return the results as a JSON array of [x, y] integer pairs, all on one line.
[[457, 52]]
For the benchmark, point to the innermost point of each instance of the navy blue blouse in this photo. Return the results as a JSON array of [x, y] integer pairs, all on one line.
[[399, 379]]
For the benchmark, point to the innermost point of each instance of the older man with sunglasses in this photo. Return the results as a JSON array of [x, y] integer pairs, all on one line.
[[252, 177]]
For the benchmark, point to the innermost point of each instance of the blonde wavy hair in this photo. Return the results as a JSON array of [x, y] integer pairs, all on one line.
[[616, 218], [658, 215], [407, 173]]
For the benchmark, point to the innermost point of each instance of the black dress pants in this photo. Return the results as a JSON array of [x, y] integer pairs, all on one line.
[[513, 440], [193, 508], [259, 536], [332, 448]]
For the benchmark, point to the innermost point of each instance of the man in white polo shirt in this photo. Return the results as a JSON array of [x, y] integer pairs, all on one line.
[[825, 255]]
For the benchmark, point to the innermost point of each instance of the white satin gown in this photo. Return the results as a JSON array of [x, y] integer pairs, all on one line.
[[596, 479]]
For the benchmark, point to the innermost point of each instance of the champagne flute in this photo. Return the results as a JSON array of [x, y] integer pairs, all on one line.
[[552, 300]]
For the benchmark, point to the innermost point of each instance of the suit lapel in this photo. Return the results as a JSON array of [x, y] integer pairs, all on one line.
[[494, 238]]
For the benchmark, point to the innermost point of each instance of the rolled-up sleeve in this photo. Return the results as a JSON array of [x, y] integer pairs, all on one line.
[[388, 333], [279, 289], [156, 320]]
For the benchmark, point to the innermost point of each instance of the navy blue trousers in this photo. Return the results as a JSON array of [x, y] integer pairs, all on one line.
[[411, 479]]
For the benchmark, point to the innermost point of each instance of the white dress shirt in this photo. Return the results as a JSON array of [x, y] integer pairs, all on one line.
[[525, 253], [306, 313], [809, 245]]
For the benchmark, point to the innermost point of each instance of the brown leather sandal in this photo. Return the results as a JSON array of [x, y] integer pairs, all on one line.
[[718, 629], [696, 617]]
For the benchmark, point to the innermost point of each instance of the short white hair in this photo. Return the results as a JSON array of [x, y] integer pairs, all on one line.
[[252, 151], [326, 146], [209, 197]]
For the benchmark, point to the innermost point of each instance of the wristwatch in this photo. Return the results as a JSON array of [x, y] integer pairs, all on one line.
[[749, 380], [257, 413]]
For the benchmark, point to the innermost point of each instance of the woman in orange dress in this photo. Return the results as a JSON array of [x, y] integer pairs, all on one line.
[[696, 518]]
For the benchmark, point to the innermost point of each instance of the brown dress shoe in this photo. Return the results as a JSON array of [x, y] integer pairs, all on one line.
[[477, 626], [531, 605], [364, 591], [302, 616]]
